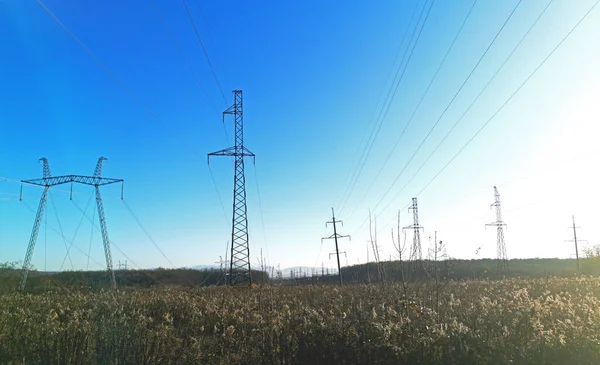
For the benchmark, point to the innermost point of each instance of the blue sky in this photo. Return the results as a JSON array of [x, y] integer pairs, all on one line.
[[312, 74]]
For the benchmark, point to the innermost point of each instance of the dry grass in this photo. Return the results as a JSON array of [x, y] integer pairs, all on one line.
[[513, 321]]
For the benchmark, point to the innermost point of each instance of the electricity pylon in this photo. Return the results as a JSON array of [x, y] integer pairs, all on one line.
[[415, 251], [239, 272], [415, 255], [575, 240], [335, 236], [499, 224], [47, 181], [122, 266]]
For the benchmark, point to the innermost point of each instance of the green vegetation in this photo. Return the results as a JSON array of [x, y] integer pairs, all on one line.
[[39, 282], [478, 269], [510, 321], [452, 269], [394, 271]]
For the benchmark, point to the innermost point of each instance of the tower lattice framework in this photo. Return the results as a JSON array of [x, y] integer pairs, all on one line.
[[239, 272], [48, 181], [415, 257], [499, 224], [415, 250]]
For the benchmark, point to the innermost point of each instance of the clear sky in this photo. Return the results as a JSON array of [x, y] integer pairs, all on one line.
[[315, 76]]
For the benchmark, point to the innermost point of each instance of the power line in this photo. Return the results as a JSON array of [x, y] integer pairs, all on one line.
[[509, 98], [371, 120], [122, 85], [60, 227], [387, 108], [204, 50], [262, 219], [157, 246], [321, 248], [139, 223], [381, 119], [90, 246], [57, 232], [187, 62], [212, 44], [76, 230], [444, 111], [147, 234], [434, 77], [109, 72], [212, 176], [46, 243], [470, 105], [180, 51], [127, 90], [113, 244]]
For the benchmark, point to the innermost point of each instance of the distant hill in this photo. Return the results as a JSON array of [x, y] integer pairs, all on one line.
[[204, 267], [286, 273]]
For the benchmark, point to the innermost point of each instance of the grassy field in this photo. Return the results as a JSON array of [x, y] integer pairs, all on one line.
[[511, 321]]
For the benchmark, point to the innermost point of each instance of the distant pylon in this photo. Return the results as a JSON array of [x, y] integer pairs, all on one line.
[[575, 240], [415, 251], [239, 273], [122, 265], [335, 237], [499, 224]]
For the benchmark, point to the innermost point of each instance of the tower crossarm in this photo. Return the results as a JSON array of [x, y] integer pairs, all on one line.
[[336, 235], [335, 253], [233, 151], [413, 227], [65, 179]]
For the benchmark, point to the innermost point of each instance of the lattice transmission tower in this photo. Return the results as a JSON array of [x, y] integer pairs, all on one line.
[[48, 181], [415, 250], [499, 224], [239, 272]]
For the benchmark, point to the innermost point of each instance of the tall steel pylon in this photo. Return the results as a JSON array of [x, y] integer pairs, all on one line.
[[239, 272], [47, 181], [499, 224]]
